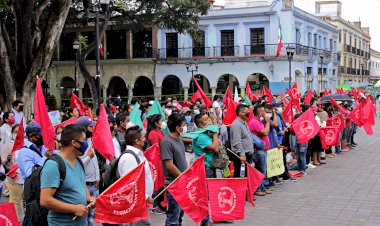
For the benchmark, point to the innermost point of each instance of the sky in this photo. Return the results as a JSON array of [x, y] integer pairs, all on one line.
[[352, 10]]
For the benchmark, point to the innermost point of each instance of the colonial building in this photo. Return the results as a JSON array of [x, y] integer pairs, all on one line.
[[354, 43], [374, 66]]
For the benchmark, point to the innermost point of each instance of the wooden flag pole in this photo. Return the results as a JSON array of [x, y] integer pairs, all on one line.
[[233, 153]]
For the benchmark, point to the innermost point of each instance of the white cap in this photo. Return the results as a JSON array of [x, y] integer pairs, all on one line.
[[151, 102]]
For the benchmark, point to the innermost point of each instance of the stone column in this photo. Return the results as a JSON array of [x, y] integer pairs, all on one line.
[[104, 92], [242, 91], [130, 94], [213, 92], [157, 93], [129, 44], [80, 94], [185, 93]]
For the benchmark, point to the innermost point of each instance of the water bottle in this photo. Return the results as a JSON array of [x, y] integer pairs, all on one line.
[[242, 170]]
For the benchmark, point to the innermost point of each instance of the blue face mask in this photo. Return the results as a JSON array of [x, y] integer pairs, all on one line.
[[83, 146], [188, 118], [221, 104]]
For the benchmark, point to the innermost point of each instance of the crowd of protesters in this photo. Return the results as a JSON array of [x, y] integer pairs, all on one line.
[[259, 126]]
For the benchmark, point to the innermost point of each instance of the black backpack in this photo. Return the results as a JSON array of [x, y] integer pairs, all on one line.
[[35, 214], [111, 175]]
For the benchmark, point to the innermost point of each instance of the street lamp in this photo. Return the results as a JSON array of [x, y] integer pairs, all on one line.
[[362, 72], [190, 65], [290, 52], [322, 55], [76, 47], [104, 5]]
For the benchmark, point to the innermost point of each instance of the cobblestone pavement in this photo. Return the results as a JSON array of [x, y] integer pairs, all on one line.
[[345, 191]]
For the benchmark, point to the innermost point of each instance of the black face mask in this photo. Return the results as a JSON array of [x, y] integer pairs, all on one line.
[[39, 142], [88, 134], [21, 108]]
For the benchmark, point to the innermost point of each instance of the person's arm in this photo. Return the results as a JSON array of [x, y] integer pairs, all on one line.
[[97, 172], [214, 146], [275, 120], [171, 168], [265, 131], [187, 140], [86, 158]]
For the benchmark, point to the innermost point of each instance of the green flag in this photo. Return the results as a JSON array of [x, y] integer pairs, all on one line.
[[135, 116], [157, 109], [247, 101], [195, 134]]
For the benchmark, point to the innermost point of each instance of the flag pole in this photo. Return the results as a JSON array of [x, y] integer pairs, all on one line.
[[233, 153]]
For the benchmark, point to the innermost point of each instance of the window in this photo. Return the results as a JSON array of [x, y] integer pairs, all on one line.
[[340, 36], [257, 41], [309, 70], [227, 42], [172, 45], [315, 41], [117, 44], [345, 38], [199, 45], [331, 44]]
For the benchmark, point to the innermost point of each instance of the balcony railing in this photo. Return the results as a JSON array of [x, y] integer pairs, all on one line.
[[143, 53], [347, 48], [226, 50], [353, 50], [348, 70], [342, 70]]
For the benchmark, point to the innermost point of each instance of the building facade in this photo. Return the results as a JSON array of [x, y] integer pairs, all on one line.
[[238, 47], [354, 43], [374, 66]]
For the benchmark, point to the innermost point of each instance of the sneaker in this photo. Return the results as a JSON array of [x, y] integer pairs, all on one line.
[[156, 210], [345, 150], [268, 192], [293, 179], [269, 189], [311, 166], [304, 173], [260, 193], [278, 181]]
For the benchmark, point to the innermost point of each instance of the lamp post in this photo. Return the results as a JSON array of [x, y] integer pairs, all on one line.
[[76, 47], [188, 66], [104, 5], [362, 72], [322, 55], [290, 52]]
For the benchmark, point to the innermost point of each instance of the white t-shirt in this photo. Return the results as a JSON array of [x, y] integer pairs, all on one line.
[[215, 104]]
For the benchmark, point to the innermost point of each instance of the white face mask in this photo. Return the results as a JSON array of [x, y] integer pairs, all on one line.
[[164, 125], [184, 130], [129, 125], [58, 136], [261, 118], [196, 112], [268, 115], [279, 110], [174, 104]]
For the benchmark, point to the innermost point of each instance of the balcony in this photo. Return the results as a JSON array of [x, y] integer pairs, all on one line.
[[362, 53], [196, 52], [348, 70], [226, 50], [142, 53], [353, 50], [342, 70], [347, 48]]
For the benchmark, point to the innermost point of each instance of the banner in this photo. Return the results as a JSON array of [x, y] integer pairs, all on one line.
[[8, 215], [275, 162], [55, 117], [153, 155], [227, 198]]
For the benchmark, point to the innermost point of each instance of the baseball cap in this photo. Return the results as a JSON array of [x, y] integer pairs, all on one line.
[[276, 104], [201, 107], [33, 128], [185, 109], [85, 121], [111, 118]]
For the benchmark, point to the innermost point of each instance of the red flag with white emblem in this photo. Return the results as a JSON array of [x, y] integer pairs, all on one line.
[[355, 115], [227, 198], [75, 102], [305, 127], [190, 191], [329, 136], [8, 215], [287, 114], [254, 180], [337, 121], [124, 201], [153, 155]]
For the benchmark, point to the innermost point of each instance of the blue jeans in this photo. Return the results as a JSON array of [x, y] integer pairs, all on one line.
[[94, 192], [210, 173], [301, 150], [174, 213], [260, 158]]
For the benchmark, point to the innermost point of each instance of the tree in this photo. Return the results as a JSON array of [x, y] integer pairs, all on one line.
[[30, 29]]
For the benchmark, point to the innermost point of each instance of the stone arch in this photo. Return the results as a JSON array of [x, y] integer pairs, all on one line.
[[67, 86], [117, 86], [143, 86], [257, 81], [226, 80], [203, 82], [171, 85]]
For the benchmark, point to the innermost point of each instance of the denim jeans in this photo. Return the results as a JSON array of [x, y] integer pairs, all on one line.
[[301, 150], [260, 158], [174, 213], [94, 192], [210, 173]]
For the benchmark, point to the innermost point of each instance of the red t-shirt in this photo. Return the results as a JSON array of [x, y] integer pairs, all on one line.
[[256, 126], [155, 136]]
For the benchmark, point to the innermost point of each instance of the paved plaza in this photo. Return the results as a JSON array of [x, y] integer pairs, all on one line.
[[345, 191]]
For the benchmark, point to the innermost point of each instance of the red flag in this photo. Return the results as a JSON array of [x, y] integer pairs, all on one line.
[[329, 136], [254, 180], [368, 115], [8, 215], [101, 50], [153, 155], [268, 92], [325, 93], [19, 141], [75, 102], [67, 122], [287, 114], [279, 42], [341, 109], [205, 99], [248, 91], [305, 127], [124, 201], [12, 173], [89, 114], [227, 198], [41, 117], [230, 115], [190, 191], [196, 96], [186, 104], [227, 96], [337, 121], [308, 97], [101, 137], [355, 116], [293, 92]]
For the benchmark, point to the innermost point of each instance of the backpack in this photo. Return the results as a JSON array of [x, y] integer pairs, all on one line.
[[111, 175], [35, 214]]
